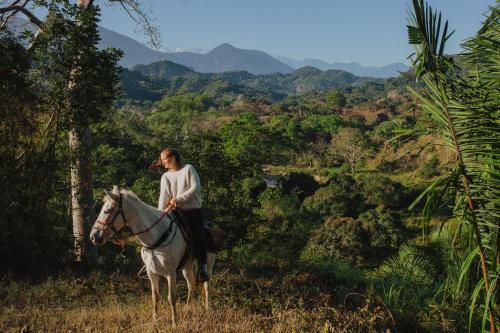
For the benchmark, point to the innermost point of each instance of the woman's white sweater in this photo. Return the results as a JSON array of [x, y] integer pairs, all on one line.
[[184, 185]]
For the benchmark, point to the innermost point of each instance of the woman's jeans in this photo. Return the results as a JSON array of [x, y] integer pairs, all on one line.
[[196, 224]]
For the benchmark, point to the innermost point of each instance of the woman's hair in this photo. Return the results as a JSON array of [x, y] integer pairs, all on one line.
[[168, 152]]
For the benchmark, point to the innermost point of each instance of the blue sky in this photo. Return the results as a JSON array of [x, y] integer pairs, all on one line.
[[371, 32]]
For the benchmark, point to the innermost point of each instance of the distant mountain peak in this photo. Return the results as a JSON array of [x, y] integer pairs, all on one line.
[[307, 70], [225, 46]]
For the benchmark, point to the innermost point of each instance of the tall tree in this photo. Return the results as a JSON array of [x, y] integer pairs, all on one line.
[[89, 78]]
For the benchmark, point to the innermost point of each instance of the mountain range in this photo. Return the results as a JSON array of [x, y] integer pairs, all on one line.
[[226, 57], [164, 78], [386, 71]]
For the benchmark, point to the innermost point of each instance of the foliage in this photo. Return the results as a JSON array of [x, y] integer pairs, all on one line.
[[336, 99], [381, 191], [280, 232], [28, 170], [464, 112], [341, 197], [63, 81], [409, 279], [339, 238], [300, 184], [430, 168], [245, 140], [385, 228]]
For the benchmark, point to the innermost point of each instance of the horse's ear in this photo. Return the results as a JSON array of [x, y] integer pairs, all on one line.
[[111, 195], [116, 189]]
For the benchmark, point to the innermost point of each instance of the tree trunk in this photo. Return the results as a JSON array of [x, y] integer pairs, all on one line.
[[82, 210], [82, 200]]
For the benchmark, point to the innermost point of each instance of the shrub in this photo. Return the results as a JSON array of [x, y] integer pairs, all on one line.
[[341, 197], [278, 234], [302, 184], [382, 191], [430, 168], [385, 228], [410, 280], [340, 238]]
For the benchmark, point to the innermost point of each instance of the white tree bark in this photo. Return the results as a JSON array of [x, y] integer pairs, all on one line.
[[81, 192]]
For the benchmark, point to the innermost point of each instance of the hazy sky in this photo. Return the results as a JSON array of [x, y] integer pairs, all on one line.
[[371, 32]]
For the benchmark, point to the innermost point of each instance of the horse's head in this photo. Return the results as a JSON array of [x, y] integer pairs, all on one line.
[[111, 219]]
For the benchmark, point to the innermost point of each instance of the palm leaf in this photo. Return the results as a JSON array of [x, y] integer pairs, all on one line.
[[465, 111]]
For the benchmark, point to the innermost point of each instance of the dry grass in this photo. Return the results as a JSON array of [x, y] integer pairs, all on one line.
[[133, 316], [119, 303]]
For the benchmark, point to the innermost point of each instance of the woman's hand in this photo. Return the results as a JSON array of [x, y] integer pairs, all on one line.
[[171, 205]]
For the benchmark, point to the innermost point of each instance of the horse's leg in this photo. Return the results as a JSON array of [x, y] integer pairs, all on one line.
[[210, 265], [155, 292], [205, 291], [190, 281], [210, 262], [172, 279]]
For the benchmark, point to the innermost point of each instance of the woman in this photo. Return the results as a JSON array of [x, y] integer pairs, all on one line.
[[180, 189]]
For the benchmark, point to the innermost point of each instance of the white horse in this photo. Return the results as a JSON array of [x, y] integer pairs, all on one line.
[[154, 229]]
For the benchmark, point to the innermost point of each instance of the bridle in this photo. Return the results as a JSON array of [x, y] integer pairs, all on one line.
[[110, 223], [119, 211]]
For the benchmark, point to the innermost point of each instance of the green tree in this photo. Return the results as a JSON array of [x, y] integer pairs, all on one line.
[[381, 191], [340, 238], [385, 228], [246, 140], [336, 100], [29, 165], [86, 78], [341, 197]]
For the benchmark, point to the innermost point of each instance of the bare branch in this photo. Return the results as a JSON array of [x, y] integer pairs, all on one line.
[[144, 20], [17, 8], [5, 17]]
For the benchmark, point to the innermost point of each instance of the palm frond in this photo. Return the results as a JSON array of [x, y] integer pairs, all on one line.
[[465, 111]]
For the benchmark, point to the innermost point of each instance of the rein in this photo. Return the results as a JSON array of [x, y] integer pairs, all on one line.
[[121, 241]]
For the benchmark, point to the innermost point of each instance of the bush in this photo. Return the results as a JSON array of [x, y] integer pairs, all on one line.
[[303, 185], [430, 168], [411, 280], [278, 234], [341, 238], [342, 197], [382, 191], [385, 228]]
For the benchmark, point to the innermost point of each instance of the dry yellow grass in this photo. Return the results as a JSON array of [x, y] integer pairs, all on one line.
[[117, 303], [125, 317]]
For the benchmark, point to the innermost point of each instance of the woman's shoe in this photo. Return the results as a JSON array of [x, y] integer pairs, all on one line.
[[203, 274]]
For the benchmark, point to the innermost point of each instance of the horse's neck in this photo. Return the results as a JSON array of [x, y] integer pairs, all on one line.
[[141, 217]]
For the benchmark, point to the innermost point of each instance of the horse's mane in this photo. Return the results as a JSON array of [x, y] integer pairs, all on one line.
[[132, 196], [129, 195]]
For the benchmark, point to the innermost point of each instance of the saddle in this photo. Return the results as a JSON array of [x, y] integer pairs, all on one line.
[[214, 236]]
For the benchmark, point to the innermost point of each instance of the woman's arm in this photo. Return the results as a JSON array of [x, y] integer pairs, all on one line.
[[165, 195], [194, 186]]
